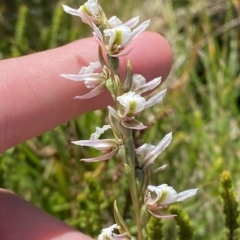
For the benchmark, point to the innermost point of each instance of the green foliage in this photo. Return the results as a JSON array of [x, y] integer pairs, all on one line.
[[185, 229], [230, 205], [201, 108], [20, 44], [155, 229]]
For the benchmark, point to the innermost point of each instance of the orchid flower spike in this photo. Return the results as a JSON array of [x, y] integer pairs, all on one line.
[[108, 146], [93, 80], [89, 12], [158, 197]]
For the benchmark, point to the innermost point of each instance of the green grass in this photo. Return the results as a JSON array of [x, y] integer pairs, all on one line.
[[201, 108]]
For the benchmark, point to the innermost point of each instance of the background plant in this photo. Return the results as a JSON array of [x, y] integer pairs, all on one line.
[[202, 109]]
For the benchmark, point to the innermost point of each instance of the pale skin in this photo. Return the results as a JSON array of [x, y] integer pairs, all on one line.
[[35, 99]]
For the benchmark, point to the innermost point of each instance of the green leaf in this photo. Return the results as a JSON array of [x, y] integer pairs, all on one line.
[[119, 220]]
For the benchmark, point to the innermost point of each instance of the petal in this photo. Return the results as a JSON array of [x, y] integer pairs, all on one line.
[[118, 36], [137, 81], [101, 158], [161, 215], [140, 29], [97, 33], [134, 124], [92, 7], [126, 35], [155, 99], [111, 34], [99, 144], [113, 112], [186, 194], [149, 86], [70, 10], [158, 191], [90, 68], [122, 53], [83, 77], [107, 232], [157, 170], [132, 102], [145, 149], [132, 22], [115, 22], [99, 131], [88, 19], [170, 195], [96, 91], [149, 159]]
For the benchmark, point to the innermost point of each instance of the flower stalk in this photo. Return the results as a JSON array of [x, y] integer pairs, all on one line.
[[131, 176]]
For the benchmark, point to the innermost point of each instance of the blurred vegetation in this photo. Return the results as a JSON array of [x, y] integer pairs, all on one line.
[[201, 108]]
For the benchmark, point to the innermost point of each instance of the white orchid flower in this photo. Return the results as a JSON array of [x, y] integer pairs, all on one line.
[[108, 146], [89, 12], [148, 153], [93, 80], [116, 39], [108, 234], [132, 104], [158, 197]]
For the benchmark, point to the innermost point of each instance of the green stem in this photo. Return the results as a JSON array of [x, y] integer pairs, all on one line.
[[130, 160]]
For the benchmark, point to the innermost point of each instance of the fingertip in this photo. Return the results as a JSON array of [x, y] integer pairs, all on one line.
[[151, 56]]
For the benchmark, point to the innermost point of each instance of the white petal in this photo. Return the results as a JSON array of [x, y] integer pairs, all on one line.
[[171, 196], [83, 77], [149, 159], [145, 149], [70, 10], [157, 170], [92, 6], [137, 81], [122, 53], [97, 33], [115, 22], [107, 232], [93, 93], [111, 34], [134, 124], [155, 99], [99, 131], [161, 215], [132, 22], [158, 191], [132, 102], [186, 194], [90, 68], [137, 31], [118, 36], [98, 144], [149, 86], [101, 158], [113, 112]]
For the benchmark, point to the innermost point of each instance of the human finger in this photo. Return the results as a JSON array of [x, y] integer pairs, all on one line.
[[34, 98], [22, 221]]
